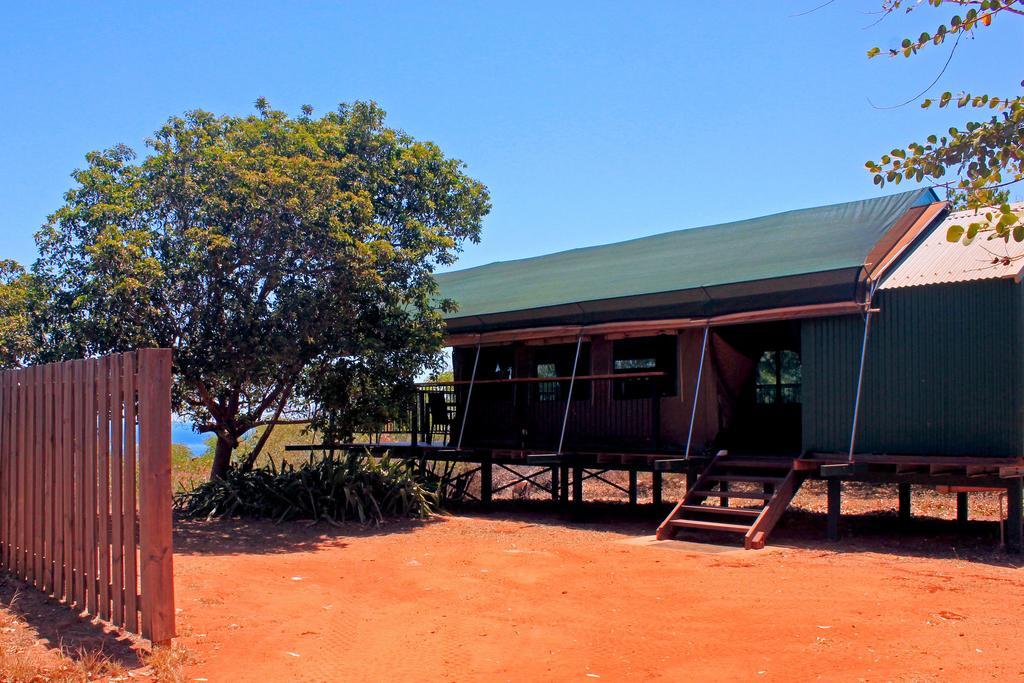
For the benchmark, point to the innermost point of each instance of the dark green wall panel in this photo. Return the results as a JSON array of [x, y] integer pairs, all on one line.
[[942, 375]]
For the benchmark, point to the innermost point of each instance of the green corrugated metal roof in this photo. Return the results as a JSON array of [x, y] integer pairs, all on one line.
[[820, 239]]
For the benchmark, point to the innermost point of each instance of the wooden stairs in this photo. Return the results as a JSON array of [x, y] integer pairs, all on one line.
[[768, 482]]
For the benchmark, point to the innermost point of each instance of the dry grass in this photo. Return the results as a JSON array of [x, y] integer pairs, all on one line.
[[167, 664]]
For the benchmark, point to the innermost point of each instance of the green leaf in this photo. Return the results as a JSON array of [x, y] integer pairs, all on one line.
[[954, 233]]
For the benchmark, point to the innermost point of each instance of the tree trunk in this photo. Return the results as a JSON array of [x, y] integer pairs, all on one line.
[[221, 458]]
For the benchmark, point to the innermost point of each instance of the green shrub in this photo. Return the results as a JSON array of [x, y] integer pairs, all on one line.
[[334, 488]]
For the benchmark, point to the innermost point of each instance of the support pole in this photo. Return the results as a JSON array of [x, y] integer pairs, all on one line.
[[577, 485], [904, 495], [554, 482], [961, 507], [632, 487], [469, 397], [696, 390], [656, 485], [486, 479], [1014, 516], [860, 373], [835, 493], [564, 483], [568, 399]]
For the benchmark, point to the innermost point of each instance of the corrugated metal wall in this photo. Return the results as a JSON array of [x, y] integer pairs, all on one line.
[[942, 376]]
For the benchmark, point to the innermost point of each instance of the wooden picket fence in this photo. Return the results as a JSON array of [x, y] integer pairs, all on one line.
[[85, 486]]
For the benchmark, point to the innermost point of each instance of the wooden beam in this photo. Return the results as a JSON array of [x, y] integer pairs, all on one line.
[[961, 507], [649, 327], [787, 313]]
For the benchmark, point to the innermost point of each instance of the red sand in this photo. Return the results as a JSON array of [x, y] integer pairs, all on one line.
[[527, 597]]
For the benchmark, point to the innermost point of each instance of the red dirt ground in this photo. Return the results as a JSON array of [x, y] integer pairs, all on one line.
[[528, 596], [524, 594]]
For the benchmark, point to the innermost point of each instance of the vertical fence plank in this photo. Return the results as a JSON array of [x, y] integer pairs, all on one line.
[[5, 471], [89, 519], [57, 388], [155, 494], [39, 461], [103, 496], [131, 576], [67, 467], [78, 530], [116, 487], [47, 457], [24, 478], [32, 453]]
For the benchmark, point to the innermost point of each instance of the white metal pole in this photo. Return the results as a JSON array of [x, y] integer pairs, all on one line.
[[696, 389], [469, 397], [860, 371], [568, 400]]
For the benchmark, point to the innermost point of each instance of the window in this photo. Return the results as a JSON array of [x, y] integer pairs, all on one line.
[[778, 377], [645, 354], [557, 361]]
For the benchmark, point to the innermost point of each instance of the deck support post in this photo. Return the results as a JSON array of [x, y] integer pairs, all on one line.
[[961, 507], [577, 487], [632, 487], [835, 493], [564, 484], [904, 505], [554, 482], [1014, 516], [724, 502], [656, 484], [486, 479]]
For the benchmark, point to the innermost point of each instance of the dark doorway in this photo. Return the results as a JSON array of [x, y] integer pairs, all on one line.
[[767, 407]]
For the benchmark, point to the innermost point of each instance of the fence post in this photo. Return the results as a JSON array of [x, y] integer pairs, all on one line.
[[155, 529]]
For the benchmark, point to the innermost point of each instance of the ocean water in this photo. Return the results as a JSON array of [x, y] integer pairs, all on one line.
[[182, 433]]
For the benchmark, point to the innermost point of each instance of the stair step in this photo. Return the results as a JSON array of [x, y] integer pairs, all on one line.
[[753, 495], [715, 510], [752, 478], [710, 526], [767, 464]]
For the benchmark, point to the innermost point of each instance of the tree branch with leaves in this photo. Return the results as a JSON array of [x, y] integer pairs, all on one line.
[[975, 163]]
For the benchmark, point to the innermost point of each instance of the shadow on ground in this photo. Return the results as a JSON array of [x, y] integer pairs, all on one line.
[[873, 532], [264, 537], [76, 637]]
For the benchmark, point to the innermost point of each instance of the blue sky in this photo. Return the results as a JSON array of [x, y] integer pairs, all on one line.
[[589, 121]]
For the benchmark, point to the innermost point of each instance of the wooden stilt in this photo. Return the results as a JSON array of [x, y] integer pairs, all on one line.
[[577, 485], [554, 482], [564, 484], [1014, 516], [961, 507], [835, 492], [725, 487], [632, 487], [904, 496], [486, 480], [656, 485]]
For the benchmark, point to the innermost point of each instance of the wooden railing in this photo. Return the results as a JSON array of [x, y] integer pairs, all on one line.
[[619, 412], [85, 486]]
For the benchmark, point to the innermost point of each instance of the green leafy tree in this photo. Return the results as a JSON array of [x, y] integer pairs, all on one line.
[[978, 161], [16, 303], [287, 261]]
